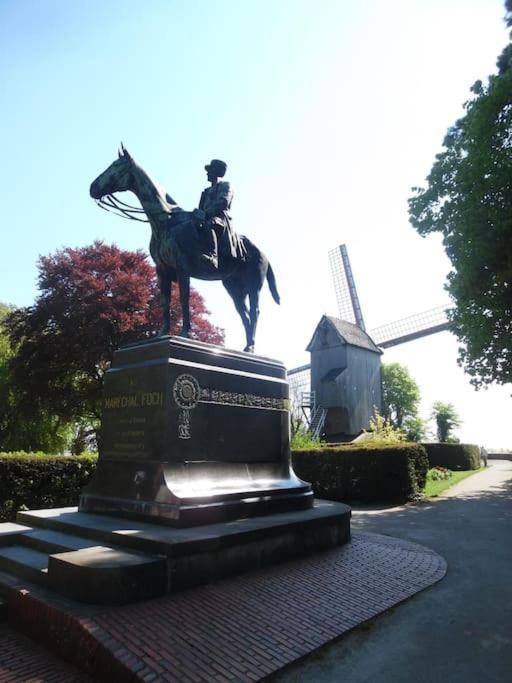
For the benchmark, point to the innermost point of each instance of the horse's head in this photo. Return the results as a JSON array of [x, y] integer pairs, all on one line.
[[117, 177]]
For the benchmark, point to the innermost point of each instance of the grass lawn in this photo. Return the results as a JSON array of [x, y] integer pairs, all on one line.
[[434, 488]]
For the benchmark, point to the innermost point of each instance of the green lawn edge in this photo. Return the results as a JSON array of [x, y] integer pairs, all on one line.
[[434, 488]]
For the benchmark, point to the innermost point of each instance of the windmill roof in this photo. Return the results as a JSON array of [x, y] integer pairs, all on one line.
[[348, 333]]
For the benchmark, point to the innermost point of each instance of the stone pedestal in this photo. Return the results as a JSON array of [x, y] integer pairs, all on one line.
[[194, 437], [194, 434]]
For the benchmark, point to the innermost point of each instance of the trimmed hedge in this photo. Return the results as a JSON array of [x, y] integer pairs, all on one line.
[[29, 481], [453, 456], [371, 473], [367, 474]]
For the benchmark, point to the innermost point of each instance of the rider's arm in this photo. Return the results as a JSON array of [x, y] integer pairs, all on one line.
[[222, 201], [199, 214]]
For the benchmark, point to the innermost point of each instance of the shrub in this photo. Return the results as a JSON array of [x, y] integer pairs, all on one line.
[[439, 474], [381, 430], [454, 456], [367, 473], [304, 439], [29, 481]]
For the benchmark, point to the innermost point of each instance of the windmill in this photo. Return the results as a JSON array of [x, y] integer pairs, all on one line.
[[308, 387]]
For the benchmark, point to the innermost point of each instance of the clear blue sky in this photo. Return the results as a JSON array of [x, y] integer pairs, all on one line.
[[327, 112]]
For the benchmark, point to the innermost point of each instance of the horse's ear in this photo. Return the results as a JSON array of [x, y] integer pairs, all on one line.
[[119, 153], [126, 153]]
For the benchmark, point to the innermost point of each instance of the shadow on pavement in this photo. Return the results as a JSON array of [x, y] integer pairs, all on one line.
[[459, 630]]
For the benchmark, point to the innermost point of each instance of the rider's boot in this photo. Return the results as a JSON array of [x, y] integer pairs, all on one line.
[[211, 256]]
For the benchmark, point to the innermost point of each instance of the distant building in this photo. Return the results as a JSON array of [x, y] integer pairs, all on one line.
[[345, 376]]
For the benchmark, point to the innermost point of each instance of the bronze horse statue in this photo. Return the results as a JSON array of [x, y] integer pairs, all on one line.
[[176, 247]]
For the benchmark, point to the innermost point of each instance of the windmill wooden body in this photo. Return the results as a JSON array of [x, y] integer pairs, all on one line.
[[339, 389]]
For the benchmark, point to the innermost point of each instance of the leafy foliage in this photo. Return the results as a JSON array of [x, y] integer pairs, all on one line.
[[302, 438], [414, 429], [446, 419], [400, 394], [370, 473], [93, 300], [468, 200], [381, 431], [35, 480], [439, 473], [38, 431]]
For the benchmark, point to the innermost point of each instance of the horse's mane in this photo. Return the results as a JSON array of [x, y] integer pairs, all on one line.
[[163, 196]]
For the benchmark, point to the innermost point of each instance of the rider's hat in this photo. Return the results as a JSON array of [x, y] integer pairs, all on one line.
[[218, 167]]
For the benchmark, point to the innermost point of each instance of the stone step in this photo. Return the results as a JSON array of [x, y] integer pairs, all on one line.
[[107, 572], [90, 573], [10, 532], [105, 575], [25, 562], [72, 523], [50, 542], [160, 539]]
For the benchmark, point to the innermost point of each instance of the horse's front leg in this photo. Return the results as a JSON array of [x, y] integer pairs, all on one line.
[[165, 284], [184, 282]]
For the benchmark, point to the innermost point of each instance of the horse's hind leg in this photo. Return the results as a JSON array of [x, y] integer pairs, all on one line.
[[254, 312], [165, 284], [239, 296]]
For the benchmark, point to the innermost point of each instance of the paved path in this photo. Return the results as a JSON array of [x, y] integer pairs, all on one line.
[[460, 630]]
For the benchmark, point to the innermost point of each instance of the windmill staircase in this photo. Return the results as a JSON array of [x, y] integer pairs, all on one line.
[[314, 414]]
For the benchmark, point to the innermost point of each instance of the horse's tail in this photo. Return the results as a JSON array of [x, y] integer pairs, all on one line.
[[271, 279]]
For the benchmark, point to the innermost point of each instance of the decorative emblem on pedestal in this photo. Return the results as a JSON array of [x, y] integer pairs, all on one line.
[[186, 392]]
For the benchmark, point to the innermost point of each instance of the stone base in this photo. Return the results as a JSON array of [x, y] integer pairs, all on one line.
[[104, 559], [219, 493], [194, 434]]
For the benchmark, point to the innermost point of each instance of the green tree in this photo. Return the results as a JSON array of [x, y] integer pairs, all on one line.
[[415, 428], [468, 199], [40, 431], [400, 394], [446, 419]]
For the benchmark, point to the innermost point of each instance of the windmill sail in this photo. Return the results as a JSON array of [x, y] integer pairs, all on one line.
[[299, 380], [413, 327], [349, 308]]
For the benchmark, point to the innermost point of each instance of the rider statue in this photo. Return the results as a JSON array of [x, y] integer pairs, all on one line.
[[213, 216]]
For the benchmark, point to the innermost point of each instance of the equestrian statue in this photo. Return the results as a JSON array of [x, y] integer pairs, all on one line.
[[185, 244]]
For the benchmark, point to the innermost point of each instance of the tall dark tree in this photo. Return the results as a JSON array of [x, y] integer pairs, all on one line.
[[92, 300], [468, 200]]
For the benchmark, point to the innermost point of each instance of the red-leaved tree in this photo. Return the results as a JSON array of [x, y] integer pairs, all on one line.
[[92, 300]]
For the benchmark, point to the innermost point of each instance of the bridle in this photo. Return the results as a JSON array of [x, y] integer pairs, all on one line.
[[118, 208], [114, 205]]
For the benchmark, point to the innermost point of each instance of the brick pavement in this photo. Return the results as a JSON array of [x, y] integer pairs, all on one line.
[[22, 660], [238, 629]]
